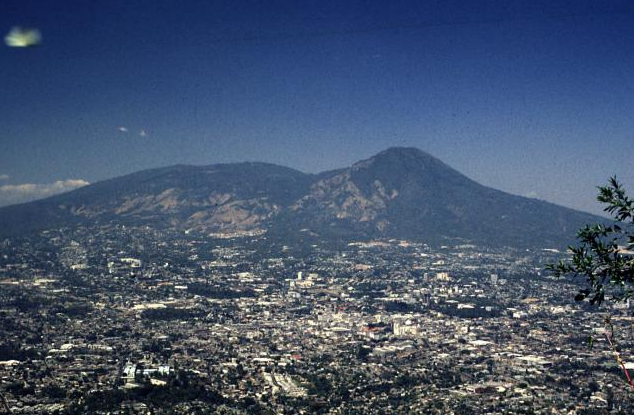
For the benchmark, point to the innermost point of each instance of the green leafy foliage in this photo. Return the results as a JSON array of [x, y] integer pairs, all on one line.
[[604, 252]]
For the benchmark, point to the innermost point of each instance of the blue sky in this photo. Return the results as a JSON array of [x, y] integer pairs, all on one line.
[[531, 97]]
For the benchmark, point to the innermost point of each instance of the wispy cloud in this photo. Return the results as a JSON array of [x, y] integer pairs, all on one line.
[[22, 38], [125, 130], [4, 177], [26, 192]]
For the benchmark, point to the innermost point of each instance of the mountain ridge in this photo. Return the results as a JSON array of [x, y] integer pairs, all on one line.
[[401, 192]]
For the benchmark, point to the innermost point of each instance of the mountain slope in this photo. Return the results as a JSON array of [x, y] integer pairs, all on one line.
[[406, 193], [213, 198], [399, 193]]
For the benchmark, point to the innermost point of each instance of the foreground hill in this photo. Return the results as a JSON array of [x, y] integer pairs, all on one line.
[[399, 193]]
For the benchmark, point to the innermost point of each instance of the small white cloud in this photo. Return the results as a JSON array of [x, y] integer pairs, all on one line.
[[531, 194], [143, 133], [22, 38], [123, 129], [19, 193], [4, 177]]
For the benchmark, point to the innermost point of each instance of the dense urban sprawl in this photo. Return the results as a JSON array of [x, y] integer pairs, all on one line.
[[136, 320]]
